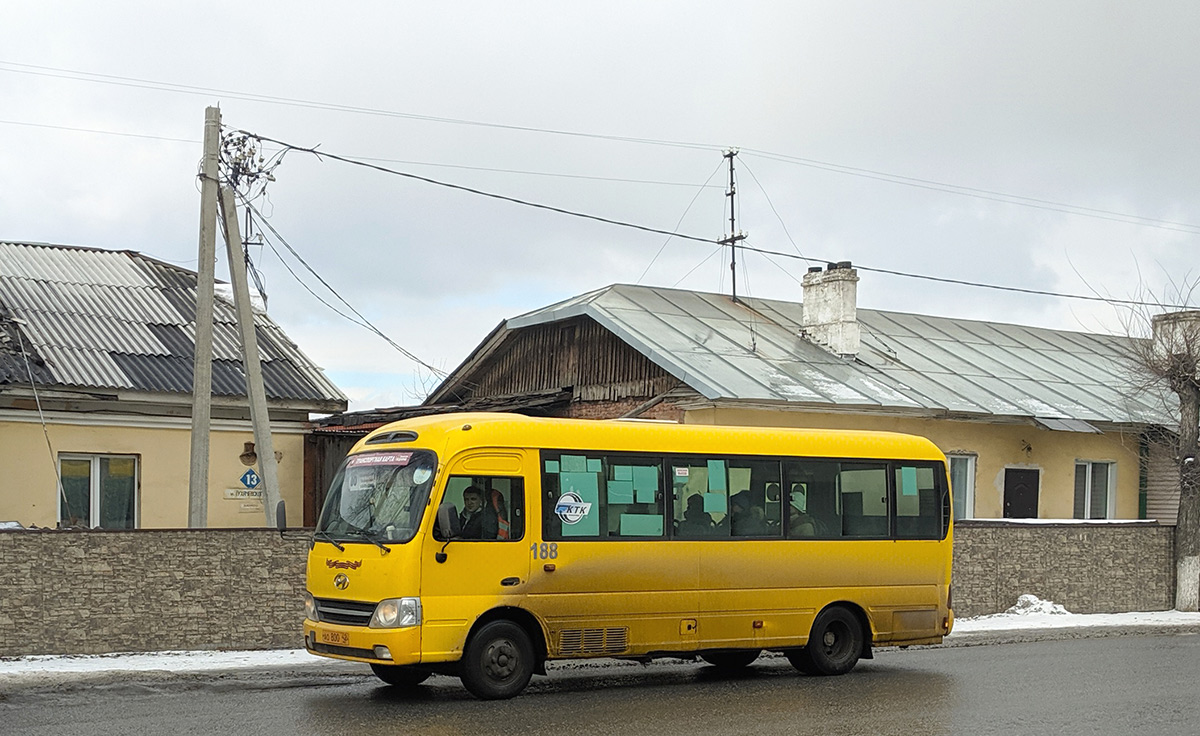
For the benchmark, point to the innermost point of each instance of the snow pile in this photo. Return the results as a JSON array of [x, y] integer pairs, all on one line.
[[1031, 604]]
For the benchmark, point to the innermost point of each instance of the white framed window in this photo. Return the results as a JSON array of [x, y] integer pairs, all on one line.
[[98, 491], [962, 483], [1094, 485]]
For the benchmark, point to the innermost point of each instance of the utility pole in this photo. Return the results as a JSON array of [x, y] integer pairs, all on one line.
[[264, 448], [734, 236], [202, 359]]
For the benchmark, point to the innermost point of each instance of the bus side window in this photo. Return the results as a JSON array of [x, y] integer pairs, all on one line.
[[593, 496], [812, 507], [863, 491], [633, 492], [701, 503], [918, 501], [752, 513], [501, 506]]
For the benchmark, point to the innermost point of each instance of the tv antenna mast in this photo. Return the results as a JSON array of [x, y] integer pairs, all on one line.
[[734, 236]]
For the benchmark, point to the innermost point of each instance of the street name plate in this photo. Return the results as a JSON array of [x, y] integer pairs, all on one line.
[[241, 494]]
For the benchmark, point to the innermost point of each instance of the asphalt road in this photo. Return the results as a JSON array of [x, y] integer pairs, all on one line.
[[1126, 685]]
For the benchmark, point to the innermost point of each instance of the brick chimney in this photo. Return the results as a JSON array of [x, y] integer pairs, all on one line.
[[830, 308]]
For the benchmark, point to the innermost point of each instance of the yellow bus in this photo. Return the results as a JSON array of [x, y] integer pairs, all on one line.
[[484, 545]]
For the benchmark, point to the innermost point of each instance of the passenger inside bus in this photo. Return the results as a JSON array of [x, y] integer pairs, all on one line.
[[801, 524], [696, 521], [747, 519]]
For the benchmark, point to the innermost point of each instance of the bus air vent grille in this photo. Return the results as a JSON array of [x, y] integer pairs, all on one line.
[[593, 641]]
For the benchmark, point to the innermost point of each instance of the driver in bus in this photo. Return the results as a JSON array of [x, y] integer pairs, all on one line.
[[475, 522]]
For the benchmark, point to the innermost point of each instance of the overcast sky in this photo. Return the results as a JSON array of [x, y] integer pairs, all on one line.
[[1093, 105]]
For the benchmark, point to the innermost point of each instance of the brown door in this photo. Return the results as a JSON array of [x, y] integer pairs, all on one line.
[[1020, 493]]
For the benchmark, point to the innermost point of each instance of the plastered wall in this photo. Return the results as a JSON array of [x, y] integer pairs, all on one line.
[[28, 486]]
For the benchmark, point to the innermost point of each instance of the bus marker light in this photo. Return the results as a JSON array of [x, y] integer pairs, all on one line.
[[549, 567], [758, 624]]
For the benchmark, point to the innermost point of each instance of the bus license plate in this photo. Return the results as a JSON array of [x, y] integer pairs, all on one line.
[[335, 637]]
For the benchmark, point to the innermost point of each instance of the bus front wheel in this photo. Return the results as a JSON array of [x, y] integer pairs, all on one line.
[[399, 675], [834, 645], [498, 661]]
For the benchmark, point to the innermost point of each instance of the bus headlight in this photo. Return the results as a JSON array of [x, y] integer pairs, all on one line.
[[310, 607], [395, 613]]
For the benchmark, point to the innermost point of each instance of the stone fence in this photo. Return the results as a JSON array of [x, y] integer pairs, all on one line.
[[93, 592], [1097, 567]]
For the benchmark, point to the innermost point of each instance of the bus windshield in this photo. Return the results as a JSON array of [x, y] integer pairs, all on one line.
[[378, 496]]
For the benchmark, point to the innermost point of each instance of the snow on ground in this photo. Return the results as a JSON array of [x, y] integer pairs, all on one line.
[[164, 661], [1029, 613]]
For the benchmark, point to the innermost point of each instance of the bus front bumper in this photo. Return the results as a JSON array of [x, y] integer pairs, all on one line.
[[363, 644]]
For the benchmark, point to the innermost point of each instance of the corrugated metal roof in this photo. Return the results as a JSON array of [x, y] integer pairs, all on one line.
[[754, 352], [121, 320]]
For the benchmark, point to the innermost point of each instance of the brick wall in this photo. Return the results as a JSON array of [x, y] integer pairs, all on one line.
[[614, 409], [1087, 568], [99, 591]]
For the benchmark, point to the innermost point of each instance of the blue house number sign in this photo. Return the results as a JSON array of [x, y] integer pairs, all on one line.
[[250, 478]]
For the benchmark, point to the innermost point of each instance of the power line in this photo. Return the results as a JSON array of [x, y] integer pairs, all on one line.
[[782, 224], [113, 79], [100, 132], [686, 210], [701, 263], [471, 190], [976, 284], [816, 164], [364, 321], [37, 400], [694, 238], [782, 270], [987, 194], [930, 184], [533, 173], [431, 163]]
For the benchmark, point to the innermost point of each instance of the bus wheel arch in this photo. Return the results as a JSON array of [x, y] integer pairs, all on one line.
[[840, 636], [504, 648], [524, 619]]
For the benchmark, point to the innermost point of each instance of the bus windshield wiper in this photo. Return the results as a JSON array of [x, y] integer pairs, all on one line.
[[324, 536], [370, 538]]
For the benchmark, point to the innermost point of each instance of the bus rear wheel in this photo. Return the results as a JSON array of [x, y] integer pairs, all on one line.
[[498, 661], [399, 675], [834, 645], [735, 660]]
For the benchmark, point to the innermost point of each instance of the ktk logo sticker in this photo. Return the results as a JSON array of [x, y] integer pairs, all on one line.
[[571, 508]]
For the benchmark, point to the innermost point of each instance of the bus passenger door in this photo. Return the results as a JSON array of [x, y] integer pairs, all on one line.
[[488, 566]]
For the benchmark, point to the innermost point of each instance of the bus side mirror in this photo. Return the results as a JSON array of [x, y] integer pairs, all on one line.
[[447, 527]]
